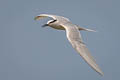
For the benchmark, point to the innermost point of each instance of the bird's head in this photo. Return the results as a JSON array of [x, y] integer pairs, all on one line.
[[49, 23]]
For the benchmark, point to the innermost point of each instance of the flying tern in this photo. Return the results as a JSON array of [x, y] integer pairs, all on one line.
[[73, 36]]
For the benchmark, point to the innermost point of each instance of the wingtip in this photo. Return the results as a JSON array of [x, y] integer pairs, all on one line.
[[36, 18], [101, 73], [41, 16]]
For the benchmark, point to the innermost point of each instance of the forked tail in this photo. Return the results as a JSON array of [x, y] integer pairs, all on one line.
[[85, 29]]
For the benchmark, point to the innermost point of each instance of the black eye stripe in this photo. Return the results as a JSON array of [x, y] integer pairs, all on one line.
[[53, 21]]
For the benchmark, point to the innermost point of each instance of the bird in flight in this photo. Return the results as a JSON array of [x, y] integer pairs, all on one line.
[[73, 36]]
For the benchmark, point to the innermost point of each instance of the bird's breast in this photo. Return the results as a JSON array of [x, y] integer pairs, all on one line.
[[59, 27]]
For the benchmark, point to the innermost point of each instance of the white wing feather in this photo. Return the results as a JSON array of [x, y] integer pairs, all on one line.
[[74, 38], [55, 17]]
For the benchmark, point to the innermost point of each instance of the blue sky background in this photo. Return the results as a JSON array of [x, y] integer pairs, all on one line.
[[29, 52]]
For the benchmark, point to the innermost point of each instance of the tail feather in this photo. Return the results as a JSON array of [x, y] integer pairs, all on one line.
[[85, 29], [90, 30]]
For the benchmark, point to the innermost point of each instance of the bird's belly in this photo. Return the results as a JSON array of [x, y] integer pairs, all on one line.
[[58, 27]]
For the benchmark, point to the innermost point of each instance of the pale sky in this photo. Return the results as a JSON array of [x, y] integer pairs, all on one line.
[[29, 52]]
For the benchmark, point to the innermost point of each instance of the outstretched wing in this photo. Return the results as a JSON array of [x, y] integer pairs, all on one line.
[[74, 38], [41, 16], [55, 17]]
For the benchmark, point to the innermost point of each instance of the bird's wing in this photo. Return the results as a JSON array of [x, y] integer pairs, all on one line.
[[41, 16], [55, 17], [74, 38]]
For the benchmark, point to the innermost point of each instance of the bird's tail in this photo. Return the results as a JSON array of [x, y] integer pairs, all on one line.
[[85, 29], [91, 30]]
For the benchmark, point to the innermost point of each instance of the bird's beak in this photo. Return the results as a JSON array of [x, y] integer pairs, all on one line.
[[44, 25]]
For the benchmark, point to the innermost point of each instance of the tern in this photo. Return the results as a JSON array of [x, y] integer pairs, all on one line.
[[73, 36]]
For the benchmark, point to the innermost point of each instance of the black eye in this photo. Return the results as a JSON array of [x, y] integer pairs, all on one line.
[[53, 21]]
